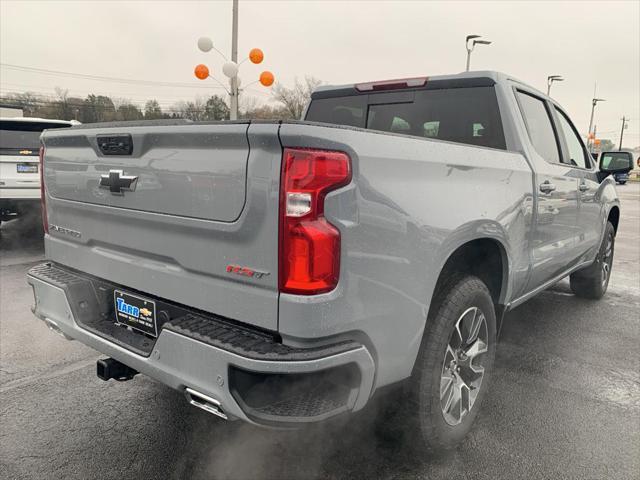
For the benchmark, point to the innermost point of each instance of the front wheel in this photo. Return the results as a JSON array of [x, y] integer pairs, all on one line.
[[454, 364], [592, 282]]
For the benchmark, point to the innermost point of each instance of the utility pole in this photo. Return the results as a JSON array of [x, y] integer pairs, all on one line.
[[594, 102], [234, 59], [624, 125]]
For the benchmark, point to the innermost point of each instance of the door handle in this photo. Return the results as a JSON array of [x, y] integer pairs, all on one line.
[[583, 187], [547, 187]]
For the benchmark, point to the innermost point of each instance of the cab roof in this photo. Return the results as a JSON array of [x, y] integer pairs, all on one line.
[[459, 80]]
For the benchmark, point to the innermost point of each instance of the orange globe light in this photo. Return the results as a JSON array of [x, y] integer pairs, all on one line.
[[256, 56], [201, 71], [267, 78]]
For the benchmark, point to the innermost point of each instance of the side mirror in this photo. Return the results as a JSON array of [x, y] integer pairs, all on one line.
[[616, 162]]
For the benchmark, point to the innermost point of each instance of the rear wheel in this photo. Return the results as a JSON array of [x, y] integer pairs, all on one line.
[[454, 364], [592, 282]]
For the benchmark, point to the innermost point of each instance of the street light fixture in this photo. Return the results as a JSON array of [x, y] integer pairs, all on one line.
[[473, 44], [551, 79], [594, 102]]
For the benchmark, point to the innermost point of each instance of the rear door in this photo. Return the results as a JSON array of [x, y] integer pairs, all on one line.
[[19, 165], [556, 232]]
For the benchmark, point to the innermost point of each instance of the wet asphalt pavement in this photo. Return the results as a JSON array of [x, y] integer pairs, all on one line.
[[564, 402]]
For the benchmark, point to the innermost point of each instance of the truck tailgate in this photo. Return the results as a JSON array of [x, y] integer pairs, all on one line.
[[200, 198]]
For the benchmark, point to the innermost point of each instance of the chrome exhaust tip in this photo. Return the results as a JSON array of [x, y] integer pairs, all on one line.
[[53, 326], [204, 402]]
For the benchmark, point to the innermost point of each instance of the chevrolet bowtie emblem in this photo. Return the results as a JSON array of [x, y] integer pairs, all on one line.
[[117, 182]]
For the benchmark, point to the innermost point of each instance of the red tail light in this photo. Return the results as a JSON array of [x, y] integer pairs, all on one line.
[[309, 244], [43, 200]]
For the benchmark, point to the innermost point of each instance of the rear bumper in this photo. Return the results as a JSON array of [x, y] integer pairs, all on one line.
[[23, 193], [230, 365]]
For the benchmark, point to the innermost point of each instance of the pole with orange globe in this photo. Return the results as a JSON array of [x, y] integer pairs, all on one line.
[[230, 68]]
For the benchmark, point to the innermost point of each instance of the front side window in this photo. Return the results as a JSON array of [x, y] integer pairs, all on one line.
[[577, 153], [539, 127]]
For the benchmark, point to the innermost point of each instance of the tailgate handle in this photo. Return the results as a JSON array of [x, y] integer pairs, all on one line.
[[115, 144]]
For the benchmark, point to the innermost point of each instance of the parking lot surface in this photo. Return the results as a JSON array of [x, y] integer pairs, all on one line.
[[564, 402]]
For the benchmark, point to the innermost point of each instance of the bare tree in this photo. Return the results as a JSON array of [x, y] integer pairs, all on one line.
[[63, 108], [296, 98]]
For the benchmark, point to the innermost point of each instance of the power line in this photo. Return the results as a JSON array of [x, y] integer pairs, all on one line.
[[101, 78]]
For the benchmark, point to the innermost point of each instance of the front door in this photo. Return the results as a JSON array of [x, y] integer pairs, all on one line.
[[590, 227], [554, 237]]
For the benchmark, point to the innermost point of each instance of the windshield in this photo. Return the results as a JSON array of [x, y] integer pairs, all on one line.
[[463, 115], [23, 135]]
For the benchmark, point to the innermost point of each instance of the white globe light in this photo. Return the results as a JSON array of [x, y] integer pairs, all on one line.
[[205, 44], [230, 69]]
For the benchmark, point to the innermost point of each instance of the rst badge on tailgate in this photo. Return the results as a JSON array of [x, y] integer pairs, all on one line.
[[246, 271]]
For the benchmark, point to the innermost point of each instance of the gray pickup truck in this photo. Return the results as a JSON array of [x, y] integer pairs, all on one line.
[[282, 272]]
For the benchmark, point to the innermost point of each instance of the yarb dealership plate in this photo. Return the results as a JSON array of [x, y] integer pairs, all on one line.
[[136, 312]]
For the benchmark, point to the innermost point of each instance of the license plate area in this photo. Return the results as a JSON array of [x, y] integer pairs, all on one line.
[[136, 312], [27, 168]]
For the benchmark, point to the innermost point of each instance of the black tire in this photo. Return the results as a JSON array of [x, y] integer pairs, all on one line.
[[622, 183], [592, 282], [424, 417]]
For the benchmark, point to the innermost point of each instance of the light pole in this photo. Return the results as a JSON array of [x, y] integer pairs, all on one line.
[[551, 79], [473, 44], [594, 102]]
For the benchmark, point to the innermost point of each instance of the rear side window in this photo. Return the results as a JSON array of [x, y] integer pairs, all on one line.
[[16, 136], [463, 115], [539, 127]]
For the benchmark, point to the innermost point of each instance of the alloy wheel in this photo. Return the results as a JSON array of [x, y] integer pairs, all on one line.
[[463, 365]]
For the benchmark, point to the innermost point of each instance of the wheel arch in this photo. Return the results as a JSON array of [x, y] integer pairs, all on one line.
[[484, 257]]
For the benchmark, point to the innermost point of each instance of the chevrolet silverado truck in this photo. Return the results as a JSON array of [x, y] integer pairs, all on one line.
[[282, 272], [19, 175]]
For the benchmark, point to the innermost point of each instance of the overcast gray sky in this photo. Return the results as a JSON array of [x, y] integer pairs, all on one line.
[[335, 41]]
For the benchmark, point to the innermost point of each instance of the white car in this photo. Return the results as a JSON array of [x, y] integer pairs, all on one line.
[[19, 164]]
